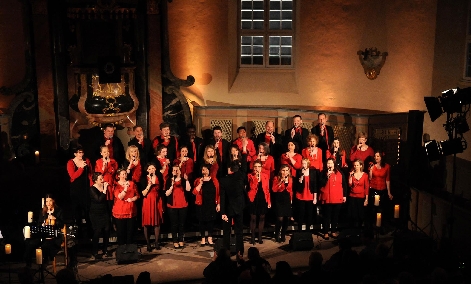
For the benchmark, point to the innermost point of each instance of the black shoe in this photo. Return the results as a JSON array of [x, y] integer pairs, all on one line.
[[149, 248], [260, 241], [252, 240], [157, 247]]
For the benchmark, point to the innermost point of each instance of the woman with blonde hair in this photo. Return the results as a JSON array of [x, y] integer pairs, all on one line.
[[209, 158], [361, 150], [313, 153]]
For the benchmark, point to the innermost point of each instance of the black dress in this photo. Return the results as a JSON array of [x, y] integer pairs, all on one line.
[[259, 204], [207, 211], [282, 204], [79, 193], [98, 209]]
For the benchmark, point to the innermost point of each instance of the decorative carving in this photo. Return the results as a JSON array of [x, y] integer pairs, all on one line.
[[307, 125], [259, 127], [372, 61], [346, 135]]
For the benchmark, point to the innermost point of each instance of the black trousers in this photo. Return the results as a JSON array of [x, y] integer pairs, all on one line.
[[125, 230], [97, 231], [331, 216], [177, 223], [206, 226], [305, 210], [239, 232]]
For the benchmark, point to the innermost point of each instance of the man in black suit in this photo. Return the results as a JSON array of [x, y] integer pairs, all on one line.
[[221, 146], [296, 134], [114, 144], [232, 196], [194, 144], [144, 145], [325, 134], [273, 140]]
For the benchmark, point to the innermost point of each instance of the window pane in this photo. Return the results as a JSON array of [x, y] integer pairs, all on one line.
[[274, 50], [252, 11], [251, 50], [274, 25], [287, 15], [246, 60], [286, 25], [287, 5], [274, 40], [281, 14], [275, 15], [246, 5], [286, 40], [258, 25], [258, 60], [258, 50], [258, 4], [258, 40], [275, 5], [274, 60], [285, 60], [246, 15]]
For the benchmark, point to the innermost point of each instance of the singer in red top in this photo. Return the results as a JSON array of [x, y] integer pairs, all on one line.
[[248, 143], [313, 153], [80, 173], [162, 163], [210, 159], [332, 194], [124, 209], [177, 204], [325, 133], [152, 206], [292, 158], [274, 141], [133, 165], [305, 185], [207, 203], [338, 154], [185, 163], [268, 163], [359, 185], [168, 140], [259, 199], [282, 198], [380, 184], [361, 151], [221, 147], [107, 167]]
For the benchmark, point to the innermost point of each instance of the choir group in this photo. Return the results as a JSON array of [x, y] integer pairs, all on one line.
[[290, 174]]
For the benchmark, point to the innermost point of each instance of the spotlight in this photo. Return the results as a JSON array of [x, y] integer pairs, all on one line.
[[450, 101], [435, 150]]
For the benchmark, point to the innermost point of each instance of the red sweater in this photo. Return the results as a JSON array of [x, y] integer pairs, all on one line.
[[177, 199], [332, 192], [253, 187], [277, 187], [293, 167], [108, 175], [315, 160], [359, 188], [361, 155], [121, 208], [379, 177], [135, 172], [268, 166], [251, 152], [199, 195], [73, 173]]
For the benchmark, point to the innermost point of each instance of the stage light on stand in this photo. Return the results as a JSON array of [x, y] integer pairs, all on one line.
[[436, 149]]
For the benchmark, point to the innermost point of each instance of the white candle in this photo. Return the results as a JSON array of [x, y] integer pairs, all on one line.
[[39, 256], [27, 232], [36, 156], [42, 202], [396, 211], [378, 219], [376, 200], [30, 217], [7, 249]]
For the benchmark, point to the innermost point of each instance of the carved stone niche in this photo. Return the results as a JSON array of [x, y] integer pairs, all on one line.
[[101, 104]]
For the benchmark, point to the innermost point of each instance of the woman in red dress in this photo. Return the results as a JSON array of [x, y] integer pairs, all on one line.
[[282, 199], [338, 154], [107, 167], [332, 194], [358, 182], [207, 203], [124, 209], [268, 163], [152, 207], [259, 199], [80, 173], [361, 151], [210, 159], [292, 158], [133, 164], [163, 164], [313, 153], [380, 185], [306, 192], [185, 163], [177, 205]]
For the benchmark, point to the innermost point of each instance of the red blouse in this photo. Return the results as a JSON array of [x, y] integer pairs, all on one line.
[[136, 172], [178, 196], [315, 160], [332, 192], [359, 188], [293, 167], [280, 187], [108, 175], [121, 208], [379, 177], [253, 186], [251, 152], [186, 167], [268, 166], [361, 155]]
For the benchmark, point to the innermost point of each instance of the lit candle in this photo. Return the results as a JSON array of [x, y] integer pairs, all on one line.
[[30, 217], [396, 211], [27, 232], [36, 156], [39, 256], [378, 219], [42, 202], [376, 200], [7, 249]]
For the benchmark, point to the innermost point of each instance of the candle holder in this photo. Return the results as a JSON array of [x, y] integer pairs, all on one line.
[[8, 255]]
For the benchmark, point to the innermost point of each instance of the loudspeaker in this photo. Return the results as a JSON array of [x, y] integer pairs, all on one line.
[[109, 69], [352, 235], [412, 244], [301, 241], [127, 254]]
